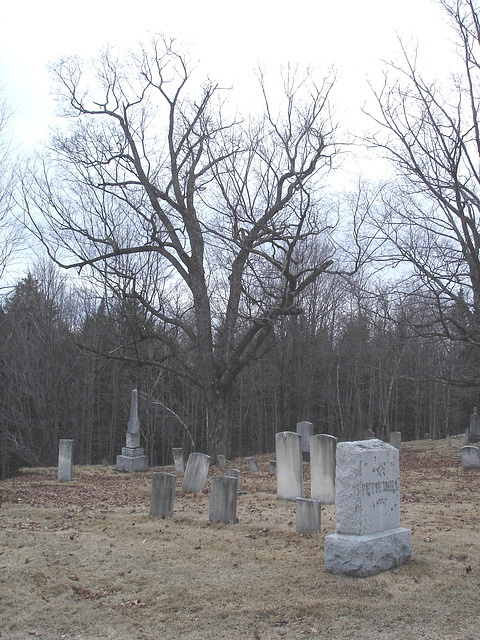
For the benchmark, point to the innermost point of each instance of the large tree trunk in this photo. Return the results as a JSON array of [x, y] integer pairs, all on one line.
[[219, 421]]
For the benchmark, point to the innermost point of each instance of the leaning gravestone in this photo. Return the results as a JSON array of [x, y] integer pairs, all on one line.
[[178, 459], [368, 538], [133, 456], [196, 472], [323, 449], [252, 464], [223, 499], [163, 495], [474, 429], [289, 465], [65, 460], [470, 457], [305, 430]]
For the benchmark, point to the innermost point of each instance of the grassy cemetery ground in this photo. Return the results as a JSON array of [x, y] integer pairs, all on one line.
[[84, 560]]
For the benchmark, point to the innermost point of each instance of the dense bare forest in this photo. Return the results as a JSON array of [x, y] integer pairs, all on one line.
[[341, 365], [217, 271]]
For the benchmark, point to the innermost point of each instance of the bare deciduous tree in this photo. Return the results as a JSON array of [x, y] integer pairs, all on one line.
[[213, 225], [430, 217]]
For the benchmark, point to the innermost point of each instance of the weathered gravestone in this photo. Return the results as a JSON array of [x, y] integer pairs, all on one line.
[[163, 495], [396, 439], [470, 457], [252, 464], [305, 430], [474, 429], [221, 460], [368, 435], [289, 465], [272, 467], [178, 459], [368, 538], [65, 460], [323, 449], [235, 473], [196, 472], [308, 515], [223, 499], [133, 456]]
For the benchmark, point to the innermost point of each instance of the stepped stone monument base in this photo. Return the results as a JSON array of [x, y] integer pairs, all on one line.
[[132, 459], [367, 555]]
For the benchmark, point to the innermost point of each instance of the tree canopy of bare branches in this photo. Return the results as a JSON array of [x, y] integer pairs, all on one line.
[[211, 224], [430, 220]]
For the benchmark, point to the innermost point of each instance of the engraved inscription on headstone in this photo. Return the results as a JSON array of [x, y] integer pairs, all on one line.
[[368, 536]]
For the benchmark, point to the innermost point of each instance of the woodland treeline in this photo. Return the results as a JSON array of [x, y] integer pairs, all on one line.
[[207, 259], [346, 365]]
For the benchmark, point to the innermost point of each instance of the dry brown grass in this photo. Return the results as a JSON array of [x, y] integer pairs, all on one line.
[[84, 560]]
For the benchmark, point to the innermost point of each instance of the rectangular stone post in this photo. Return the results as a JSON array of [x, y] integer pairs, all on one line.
[[396, 439], [196, 472], [65, 460], [289, 465], [223, 499], [368, 536], [163, 495], [178, 459], [308, 518], [323, 448]]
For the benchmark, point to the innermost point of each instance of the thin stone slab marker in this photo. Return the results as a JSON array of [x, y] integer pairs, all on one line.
[[178, 459], [65, 460], [308, 516], [396, 439], [474, 429], [470, 456], [196, 472], [305, 430], [223, 499], [289, 465], [236, 473], [252, 464], [162, 497], [323, 449]]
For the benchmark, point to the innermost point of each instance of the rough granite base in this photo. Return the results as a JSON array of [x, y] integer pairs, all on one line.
[[130, 464], [367, 555]]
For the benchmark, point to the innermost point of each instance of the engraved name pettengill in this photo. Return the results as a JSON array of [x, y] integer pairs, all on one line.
[[382, 486]]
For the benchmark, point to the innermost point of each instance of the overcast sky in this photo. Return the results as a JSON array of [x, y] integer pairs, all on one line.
[[230, 40]]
